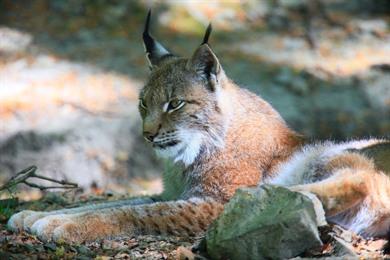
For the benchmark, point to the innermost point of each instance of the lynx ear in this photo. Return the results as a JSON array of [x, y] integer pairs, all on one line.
[[204, 61], [155, 52], [206, 64]]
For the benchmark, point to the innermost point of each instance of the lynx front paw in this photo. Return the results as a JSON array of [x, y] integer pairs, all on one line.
[[88, 227], [16, 222], [71, 232], [31, 219], [44, 227]]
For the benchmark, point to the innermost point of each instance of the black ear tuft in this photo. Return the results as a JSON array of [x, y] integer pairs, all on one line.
[[207, 34], [148, 40], [155, 52]]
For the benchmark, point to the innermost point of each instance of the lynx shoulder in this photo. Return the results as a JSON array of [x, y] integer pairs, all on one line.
[[218, 138]]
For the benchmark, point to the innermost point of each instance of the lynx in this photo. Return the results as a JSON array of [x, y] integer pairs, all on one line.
[[219, 138]]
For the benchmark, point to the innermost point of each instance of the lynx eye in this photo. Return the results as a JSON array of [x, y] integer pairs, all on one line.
[[174, 105], [142, 103]]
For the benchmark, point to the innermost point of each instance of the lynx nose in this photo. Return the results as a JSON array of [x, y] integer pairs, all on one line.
[[151, 126], [149, 136]]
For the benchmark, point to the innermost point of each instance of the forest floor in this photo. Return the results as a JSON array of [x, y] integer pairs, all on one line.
[[26, 246]]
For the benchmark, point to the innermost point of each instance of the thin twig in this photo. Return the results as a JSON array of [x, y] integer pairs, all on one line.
[[101, 113], [28, 173]]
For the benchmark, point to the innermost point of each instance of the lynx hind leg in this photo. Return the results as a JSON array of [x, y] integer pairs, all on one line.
[[356, 195], [373, 217], [340, 192]]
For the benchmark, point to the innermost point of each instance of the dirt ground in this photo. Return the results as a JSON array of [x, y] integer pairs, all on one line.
[[21, 246]]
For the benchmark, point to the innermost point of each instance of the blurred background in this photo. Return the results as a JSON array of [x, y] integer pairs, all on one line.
[[70, 72]]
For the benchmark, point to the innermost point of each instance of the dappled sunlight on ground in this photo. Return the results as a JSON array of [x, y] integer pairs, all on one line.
[[94, 92], [38, 83], [343, 59], [71, 119], [349, 46]]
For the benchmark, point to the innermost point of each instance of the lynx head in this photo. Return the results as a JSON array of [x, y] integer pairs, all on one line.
[[180, 103]]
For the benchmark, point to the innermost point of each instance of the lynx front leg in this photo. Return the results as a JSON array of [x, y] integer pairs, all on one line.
[[26, 218], [181, 218]]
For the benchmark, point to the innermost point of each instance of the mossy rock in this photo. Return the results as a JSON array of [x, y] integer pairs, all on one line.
[[267, 222]]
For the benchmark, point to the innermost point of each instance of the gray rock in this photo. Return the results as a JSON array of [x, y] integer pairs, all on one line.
[[318, 208], [343, 249], [267, 222]]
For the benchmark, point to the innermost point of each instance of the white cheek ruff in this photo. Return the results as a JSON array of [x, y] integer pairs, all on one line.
[[186, 151], [192, 147]]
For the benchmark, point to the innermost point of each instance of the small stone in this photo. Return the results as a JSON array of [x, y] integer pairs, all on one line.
[[29, 247], [50, 246], [83, 250], [346, 236], [122, 256], [108, 244], [342, 249]]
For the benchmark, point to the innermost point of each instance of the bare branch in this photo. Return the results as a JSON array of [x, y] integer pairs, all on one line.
[[28, 173], [101, 113]]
